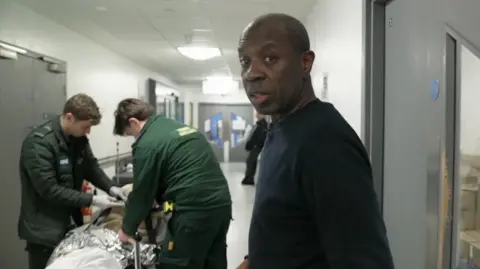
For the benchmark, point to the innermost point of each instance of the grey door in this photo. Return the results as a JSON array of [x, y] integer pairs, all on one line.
[[190, 122], [49, 92], [210, 123], [27, 92], [240, 118], [181, 112], [405, 158], [16, 120], [167, 106], [225, 126]]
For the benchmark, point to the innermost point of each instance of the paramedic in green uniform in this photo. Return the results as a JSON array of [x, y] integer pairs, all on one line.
[[173, 162]]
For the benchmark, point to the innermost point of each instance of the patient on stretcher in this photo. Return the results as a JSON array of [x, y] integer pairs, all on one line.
[[97, 245], [157, 221]]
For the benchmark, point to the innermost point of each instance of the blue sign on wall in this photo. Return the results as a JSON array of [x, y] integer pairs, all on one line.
[[215, 130], [235, 134]]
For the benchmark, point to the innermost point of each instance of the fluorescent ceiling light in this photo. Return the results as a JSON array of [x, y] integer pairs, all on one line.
[[199, 53], [219, 85], [12, 48]]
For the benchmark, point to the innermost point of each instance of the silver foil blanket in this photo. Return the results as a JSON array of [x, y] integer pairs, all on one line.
[[104, 239]]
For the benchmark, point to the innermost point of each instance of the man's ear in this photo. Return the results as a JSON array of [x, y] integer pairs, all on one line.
[[132, 120], [69, 116], [308, 58]]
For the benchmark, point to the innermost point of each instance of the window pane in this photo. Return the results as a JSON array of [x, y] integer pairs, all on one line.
[[469, 138]]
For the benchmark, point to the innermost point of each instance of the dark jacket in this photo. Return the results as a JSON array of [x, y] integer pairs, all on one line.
[[52, 169], [257, 136]]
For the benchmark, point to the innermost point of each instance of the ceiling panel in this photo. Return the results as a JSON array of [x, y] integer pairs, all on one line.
[[148, 31]]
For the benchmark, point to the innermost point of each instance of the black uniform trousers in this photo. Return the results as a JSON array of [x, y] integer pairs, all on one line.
[[38, 255], [251, 164]]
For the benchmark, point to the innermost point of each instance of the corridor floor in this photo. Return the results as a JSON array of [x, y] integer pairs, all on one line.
[[242, 197]]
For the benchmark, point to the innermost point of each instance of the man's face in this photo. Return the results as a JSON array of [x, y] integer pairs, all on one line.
[[78, 128], [273, 72]]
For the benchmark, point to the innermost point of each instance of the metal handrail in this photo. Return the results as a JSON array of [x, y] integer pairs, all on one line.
[[113, 158]]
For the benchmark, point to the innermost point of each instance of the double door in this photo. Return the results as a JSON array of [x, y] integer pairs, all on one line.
[[168, 106], [226, 126], [29, 94]]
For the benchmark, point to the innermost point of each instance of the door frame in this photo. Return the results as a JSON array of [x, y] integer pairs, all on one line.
[[373, 88]]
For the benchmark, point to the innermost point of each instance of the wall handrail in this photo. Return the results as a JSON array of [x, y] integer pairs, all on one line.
[[105, 161]]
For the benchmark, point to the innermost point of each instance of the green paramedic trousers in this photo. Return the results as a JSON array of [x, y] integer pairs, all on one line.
[[196, 240]]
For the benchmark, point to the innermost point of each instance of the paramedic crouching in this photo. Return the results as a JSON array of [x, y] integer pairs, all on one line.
[[55, 159], [173, 162]]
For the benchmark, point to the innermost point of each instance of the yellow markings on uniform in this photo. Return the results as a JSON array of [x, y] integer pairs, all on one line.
[[170, 246], [167, 207], [186, 130]]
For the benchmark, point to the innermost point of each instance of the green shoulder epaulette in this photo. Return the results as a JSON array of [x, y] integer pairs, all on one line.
[[43, 130], [185, 131]]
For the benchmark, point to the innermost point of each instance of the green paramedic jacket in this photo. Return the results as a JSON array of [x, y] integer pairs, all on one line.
[[52, 169], [173, 162]]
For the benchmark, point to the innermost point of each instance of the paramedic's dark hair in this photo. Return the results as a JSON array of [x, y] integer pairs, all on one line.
[[294, 29], [130, 108], [83, 108]]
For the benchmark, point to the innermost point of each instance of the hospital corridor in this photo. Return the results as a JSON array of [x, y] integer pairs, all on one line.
[[243, 196], [239, 134]]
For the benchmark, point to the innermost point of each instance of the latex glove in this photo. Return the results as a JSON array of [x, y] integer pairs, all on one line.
[[243, 265], [125, 238], [118, 193], [105, 201]]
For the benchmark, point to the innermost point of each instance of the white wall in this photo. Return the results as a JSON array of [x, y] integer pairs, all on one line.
[[335, 29], [92, 69]]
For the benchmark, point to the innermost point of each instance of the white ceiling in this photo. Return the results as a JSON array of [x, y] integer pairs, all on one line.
[[148, 31]]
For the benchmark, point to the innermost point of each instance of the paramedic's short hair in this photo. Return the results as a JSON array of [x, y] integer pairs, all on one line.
[[83, 108], [131, 108]]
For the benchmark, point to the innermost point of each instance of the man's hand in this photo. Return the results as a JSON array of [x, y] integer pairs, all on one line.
[[243, 265], [105, 201], [125, 238], [118, 193]]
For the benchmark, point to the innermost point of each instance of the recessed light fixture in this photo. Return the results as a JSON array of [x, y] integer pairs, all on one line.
[[201, 30], [100, 8], [220, 85], [199, 53]]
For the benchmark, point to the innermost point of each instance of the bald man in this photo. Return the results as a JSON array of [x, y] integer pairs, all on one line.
[[315, 205]]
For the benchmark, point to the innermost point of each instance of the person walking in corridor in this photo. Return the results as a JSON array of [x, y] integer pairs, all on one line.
[[315, 205], [254, 146]]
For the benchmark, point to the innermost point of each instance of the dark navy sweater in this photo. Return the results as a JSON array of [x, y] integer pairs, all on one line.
[[315, 204]]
